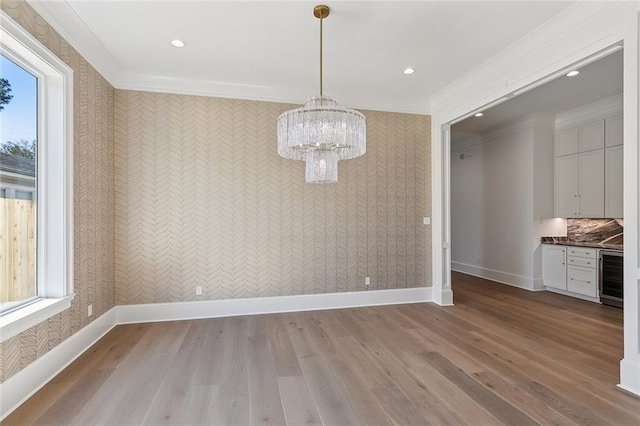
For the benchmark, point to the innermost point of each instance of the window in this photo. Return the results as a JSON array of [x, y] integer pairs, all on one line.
[[18, 209], [36, 181]]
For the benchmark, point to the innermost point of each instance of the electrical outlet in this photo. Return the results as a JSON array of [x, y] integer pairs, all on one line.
[[367, 280], [90, 310], [199, 290]]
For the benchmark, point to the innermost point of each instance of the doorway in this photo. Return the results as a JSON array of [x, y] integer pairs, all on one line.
[[502, 175]]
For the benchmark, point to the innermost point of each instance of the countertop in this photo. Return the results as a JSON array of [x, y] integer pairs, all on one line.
[[563, 241]]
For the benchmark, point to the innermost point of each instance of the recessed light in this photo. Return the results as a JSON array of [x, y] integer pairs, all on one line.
[[177, 43], [573, 73], [408, 71], [478, 114]]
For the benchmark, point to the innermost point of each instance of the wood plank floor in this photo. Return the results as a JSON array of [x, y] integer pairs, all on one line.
[[499, 356]]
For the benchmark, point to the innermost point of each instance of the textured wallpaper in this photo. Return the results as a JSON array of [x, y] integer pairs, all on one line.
[[94, 201], [203, 199]]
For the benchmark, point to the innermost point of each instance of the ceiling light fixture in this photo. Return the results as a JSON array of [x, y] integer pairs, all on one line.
[[409, 71], [573, 73], [177, 43], [478, 114], [321, 132]]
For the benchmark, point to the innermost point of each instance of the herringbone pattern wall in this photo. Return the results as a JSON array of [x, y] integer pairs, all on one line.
[[202, 199], [93, 201]]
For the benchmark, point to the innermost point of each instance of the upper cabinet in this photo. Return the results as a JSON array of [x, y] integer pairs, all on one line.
[[588, 167], [613, 180], [591, 136], [614, 131], [567, 142], [579, 171]]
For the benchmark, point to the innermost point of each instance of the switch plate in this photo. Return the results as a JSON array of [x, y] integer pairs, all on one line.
[[90, 310], [198, 290], [367, 281], [426, 221]]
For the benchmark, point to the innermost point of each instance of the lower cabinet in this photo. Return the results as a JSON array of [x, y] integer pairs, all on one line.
[[554, 266], [571, 269], [582, 281]]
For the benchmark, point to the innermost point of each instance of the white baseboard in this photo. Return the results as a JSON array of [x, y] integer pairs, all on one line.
[[155, 312], [538, 284], [630, 376], [520, 281], [444, 298], [19, 387]]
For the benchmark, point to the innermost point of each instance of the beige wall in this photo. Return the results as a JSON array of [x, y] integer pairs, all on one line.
[[202, 198], [93, 201]]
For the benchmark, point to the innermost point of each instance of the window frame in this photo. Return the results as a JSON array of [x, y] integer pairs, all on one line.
[[54, 178]]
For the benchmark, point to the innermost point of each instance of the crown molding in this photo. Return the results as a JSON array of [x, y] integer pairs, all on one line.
[[185, 86], [252, 92], [593, 111], [64, 19]]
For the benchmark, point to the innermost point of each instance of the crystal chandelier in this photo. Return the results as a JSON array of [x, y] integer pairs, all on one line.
[[321, 132]]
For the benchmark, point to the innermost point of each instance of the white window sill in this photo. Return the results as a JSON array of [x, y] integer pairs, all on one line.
[[22, 319]]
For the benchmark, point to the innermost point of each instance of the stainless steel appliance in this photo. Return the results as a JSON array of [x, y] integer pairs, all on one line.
[[610, 282]]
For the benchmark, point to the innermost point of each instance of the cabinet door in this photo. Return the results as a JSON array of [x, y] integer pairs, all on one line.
[[567, 142], [592, 136], [591, 184], [613, 182], [613, 127], [566, 186], [554, 268], [582, 281]]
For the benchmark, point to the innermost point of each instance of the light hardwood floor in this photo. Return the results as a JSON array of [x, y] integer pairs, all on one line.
[[499, 356]]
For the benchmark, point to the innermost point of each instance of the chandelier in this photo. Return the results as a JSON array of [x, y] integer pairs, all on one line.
[[321, 132]]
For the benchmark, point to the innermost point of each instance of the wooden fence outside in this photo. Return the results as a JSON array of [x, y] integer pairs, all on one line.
[[17, 250]]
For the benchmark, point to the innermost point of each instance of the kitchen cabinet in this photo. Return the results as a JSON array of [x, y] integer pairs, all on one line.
[[592, 136], [591, 184], [567, 142], [572, 270], [554, 266], [566, 183], [614, 131], [588, 170], [582, 273], [613, 180], [579, 185]]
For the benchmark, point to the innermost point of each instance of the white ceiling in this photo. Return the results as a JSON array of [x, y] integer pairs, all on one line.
[[269, 50], [598, 80]]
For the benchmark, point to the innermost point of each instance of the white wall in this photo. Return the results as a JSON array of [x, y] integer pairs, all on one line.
[[498, 196]]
